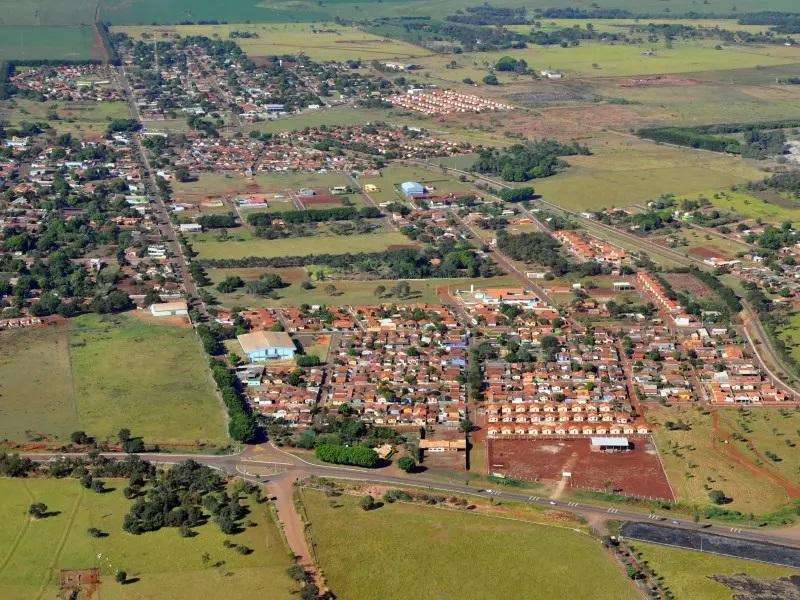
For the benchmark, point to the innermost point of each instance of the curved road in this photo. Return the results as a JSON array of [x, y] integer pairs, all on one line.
[[287, 466]]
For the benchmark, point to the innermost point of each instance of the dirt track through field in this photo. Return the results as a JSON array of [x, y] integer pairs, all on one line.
[[723, 442]]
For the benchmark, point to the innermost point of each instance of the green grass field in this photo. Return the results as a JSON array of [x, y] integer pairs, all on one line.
[[626, 171], [150, 378], [686, 572], [77, 118], [749, 206], [165, 564], [320, 41], [36, 395], [348, 292], [207, 245], [692, 462], [31, 43], [461, 554], [768, 430], [147, 11]]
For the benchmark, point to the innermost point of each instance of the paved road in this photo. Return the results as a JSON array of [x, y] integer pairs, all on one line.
[[748, 315], [165, 226], [288, 466]]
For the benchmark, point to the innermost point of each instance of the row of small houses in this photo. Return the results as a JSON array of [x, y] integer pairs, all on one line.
[[509, 429]]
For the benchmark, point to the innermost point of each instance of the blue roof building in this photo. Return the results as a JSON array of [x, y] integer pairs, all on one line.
[[412, 189]]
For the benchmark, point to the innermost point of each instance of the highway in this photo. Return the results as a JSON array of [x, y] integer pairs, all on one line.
[[284, 465]]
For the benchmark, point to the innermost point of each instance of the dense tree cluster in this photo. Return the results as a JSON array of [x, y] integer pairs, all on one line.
[[522, 162], [360, 456], [536, 247]]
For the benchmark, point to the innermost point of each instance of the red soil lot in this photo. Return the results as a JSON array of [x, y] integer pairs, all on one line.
[[635, 473]]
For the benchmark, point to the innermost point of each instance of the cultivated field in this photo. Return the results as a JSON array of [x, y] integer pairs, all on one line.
[[697, 462], [163, 563], [33, 43], [346, 535], [636, 473], [319, 41], [687, 573], [149, 378], [36, 395]]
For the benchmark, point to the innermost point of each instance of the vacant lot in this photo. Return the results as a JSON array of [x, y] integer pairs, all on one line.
[[687, 572], [347, 292], [36, 396], [696, 464], [466, 555], [749, 206], [769, 435], [149, 378], [637, 472], [163, 563], [208, 245], [626, 171], [77, 118], [318, 41]]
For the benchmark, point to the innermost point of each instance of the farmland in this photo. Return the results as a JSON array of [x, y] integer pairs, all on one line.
[[346, 535], [148, 11], [696, 463], [149, 378], [749, 206], [33, 43], [208, 246], [687, 573], [161, 563], [320, 41], [36, 385]]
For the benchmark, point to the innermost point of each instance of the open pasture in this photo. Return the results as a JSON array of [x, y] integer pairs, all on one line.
[[696, 462], [770, 436], [345, 535], [347, 291], [687, 573], [159, 563], [36, 395], [623, 171], [318, 41], [82, 119], [150, 378], [243, 244]]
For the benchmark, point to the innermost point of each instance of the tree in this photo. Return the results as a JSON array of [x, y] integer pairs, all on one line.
[[491, 79], [38, 510], [98, 486], [718, 497], [380, 291], [465, 425], [367, 502], [121, 577], [95, 532], [296, 572], [79, 437], [124, 435], [330, 289], [407, 463]]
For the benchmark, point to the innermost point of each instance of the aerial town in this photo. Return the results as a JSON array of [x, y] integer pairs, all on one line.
[[316, 289]]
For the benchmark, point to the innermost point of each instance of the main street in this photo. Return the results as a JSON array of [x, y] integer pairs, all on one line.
[[164, 222]]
